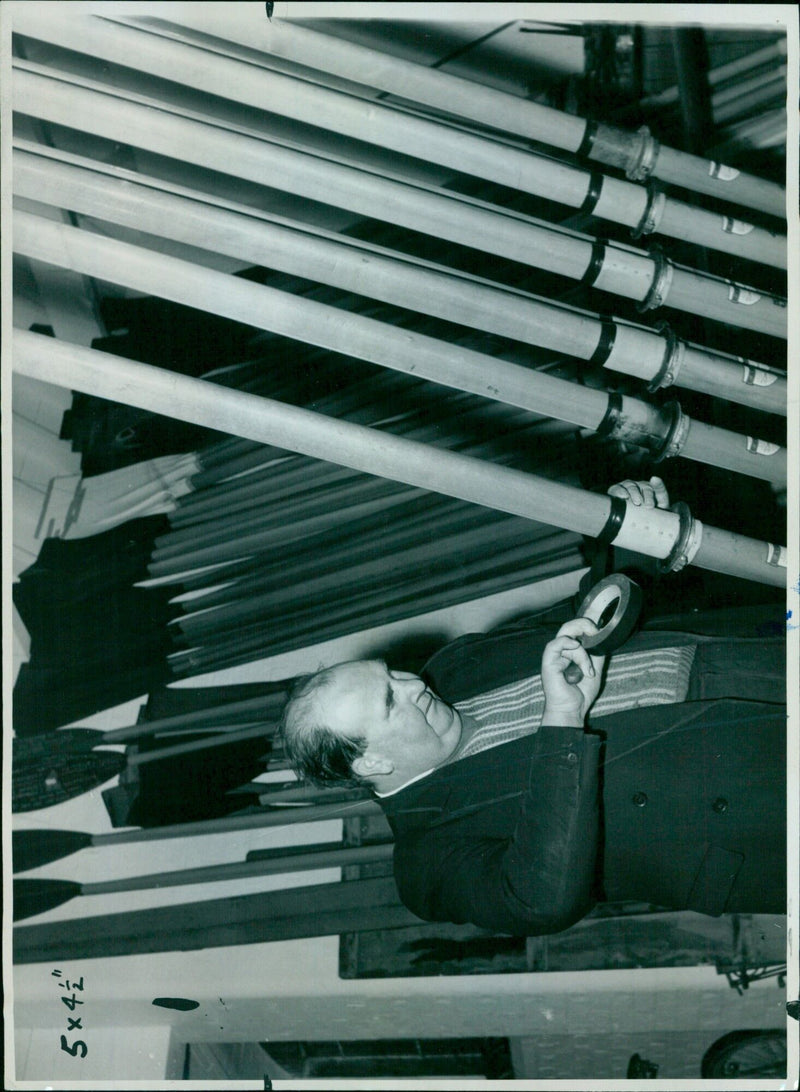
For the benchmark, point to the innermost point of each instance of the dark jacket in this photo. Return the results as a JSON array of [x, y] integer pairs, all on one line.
[[687, 809]]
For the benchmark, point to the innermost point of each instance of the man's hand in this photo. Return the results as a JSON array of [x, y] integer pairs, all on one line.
[[567, 704], [652, 494]]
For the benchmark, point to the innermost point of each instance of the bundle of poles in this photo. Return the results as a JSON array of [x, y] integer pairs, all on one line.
[[330, 473]]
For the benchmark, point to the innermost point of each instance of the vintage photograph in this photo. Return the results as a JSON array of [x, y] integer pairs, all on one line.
[[400, 544]]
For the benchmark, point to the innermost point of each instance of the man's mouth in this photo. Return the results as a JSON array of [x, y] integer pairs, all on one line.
[[425, 702]]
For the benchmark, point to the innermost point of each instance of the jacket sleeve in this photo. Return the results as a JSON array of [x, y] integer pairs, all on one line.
[[540, 879]]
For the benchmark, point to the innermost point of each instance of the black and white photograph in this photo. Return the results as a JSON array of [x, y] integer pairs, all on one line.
[[401, 594]]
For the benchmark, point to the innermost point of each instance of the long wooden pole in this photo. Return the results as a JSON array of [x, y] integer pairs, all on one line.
[[768, 56], [304, 101], [150, 125], [386, 345], [655, 532], [189, 217], [316, 910], [301, 861], [477, 102]]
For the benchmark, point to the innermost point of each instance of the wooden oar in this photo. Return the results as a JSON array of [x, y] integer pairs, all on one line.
[[32, 848], [254, 730], [43, 776], [33, 897], [62, 766]]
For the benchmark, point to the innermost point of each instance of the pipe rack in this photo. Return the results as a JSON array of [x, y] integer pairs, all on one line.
[[143, 203], [672, 536], [643, 210], [383, 344], [637, 153]]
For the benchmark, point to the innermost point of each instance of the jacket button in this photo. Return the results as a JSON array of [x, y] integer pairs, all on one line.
[[639, 799], [720, 805], [572, 757]]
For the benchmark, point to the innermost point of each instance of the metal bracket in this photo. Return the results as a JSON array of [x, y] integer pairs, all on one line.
[[653, 211], [686, 544], [677, 432], [662, 281], [674, 354], [643, 160]]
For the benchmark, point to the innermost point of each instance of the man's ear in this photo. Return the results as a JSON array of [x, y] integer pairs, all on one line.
[[370, 765]]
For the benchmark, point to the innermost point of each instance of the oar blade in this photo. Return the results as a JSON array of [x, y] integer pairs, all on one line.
[[32, 897], [60, 766], [32, 848]]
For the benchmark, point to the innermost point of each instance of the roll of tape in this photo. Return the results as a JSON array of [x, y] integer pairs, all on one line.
[[626, 597], [620, 596]]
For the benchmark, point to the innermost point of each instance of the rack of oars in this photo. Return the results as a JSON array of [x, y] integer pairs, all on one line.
[[272, 551], [271, 804]]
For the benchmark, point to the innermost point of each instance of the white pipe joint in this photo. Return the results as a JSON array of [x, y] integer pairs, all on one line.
[[652, 531], [672, 362], [631, 349]]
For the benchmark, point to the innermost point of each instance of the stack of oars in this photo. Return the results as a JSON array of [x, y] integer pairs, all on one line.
[[252, 717], [280, 551], [33, 848], [59, 766]]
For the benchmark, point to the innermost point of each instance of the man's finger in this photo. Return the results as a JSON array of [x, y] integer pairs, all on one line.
[[578, 627], [569, 649], [629, 490], [581, 657], [661, 493]]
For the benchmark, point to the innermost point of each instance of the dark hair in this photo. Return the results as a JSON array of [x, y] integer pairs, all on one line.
[[315, 751]]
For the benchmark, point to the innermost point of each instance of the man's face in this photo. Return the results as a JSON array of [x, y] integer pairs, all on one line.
[[408, 728]]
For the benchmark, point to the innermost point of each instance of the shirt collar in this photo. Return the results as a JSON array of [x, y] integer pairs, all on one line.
[[419, 777]]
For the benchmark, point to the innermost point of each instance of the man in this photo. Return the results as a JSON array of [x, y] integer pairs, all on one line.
[[510, 813]]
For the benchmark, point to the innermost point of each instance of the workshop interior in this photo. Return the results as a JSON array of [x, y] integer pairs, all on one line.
[[329, 337]]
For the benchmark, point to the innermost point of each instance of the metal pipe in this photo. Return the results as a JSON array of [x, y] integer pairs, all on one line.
[[190, 217], [401, 350], [610, 198], [654, 532], [464, 98], [687, 365], [690, 54]]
